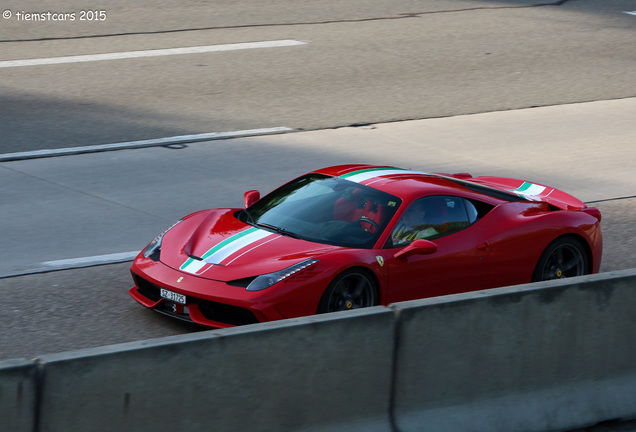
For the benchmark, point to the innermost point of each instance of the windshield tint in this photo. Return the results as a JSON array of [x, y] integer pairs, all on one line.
[[325, 210]]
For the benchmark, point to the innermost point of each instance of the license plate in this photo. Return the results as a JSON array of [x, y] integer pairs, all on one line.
[[173, 296]]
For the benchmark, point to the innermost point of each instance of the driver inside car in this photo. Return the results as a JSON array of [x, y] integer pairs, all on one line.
[[413, 226]]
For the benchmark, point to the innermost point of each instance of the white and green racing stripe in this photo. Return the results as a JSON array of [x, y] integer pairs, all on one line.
[[223, 250], [193, 265], [366, 174], [528, 190]]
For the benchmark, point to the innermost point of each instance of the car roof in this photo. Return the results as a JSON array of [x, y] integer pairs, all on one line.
[[410, 184]]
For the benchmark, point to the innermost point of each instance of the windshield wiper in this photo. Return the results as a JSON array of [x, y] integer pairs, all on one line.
[[277, 230]]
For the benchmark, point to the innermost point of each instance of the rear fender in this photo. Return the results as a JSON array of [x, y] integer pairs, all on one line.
[[537, 224]]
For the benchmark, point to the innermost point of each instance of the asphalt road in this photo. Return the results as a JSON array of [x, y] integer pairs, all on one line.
[[342, 64], [362, 64], [82, 308], [366, 62], [69, 210]]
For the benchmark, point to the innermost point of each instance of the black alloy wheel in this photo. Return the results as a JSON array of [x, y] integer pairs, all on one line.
[[565, 257], [352, 289]]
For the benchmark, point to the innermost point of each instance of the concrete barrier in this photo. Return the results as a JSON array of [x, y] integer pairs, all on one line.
[[18, 391], [321, 373], [542, 357]]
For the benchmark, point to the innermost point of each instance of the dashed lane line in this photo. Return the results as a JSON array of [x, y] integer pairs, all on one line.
[[149, 53]]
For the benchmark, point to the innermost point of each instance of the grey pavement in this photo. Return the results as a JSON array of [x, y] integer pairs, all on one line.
[[72, 207], [372, 61]]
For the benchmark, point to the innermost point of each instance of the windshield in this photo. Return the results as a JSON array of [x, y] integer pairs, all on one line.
[[325, 209]]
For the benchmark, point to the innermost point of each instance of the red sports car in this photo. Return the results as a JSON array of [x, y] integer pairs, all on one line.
[[352, 236]]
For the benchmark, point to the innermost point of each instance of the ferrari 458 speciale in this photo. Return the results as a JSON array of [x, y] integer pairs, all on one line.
[[353, 236]]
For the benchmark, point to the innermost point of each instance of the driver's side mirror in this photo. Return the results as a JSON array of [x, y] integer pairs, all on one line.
[[250, 197], [417, 247]]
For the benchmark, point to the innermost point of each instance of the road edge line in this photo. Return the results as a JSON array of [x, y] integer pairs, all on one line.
[[155, 142]]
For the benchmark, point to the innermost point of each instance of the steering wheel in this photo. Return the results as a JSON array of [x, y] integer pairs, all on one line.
[[371, 222]]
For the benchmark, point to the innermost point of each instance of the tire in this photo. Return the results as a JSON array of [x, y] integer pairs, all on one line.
[[351, 289], [564, 257]]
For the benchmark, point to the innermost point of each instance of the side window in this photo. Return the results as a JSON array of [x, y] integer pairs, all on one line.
[[433, 217], [471, 211], [477, 209]]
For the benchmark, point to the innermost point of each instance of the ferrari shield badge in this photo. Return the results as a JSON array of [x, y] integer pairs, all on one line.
[[380, 260]]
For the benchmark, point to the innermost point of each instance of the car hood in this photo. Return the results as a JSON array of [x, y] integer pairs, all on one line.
[[214, 244]]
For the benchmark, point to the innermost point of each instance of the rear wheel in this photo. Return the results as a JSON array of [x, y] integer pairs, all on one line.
[[352, 289], [565, 257]]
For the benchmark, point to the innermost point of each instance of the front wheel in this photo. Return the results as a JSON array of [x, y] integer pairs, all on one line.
[[351, 289], [565, 257]]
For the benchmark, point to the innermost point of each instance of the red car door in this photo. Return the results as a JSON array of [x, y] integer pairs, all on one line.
[[459, 262]]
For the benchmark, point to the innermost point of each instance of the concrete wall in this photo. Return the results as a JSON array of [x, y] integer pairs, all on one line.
[[548, 356], [18, 391], [544, 357], [320, 373]]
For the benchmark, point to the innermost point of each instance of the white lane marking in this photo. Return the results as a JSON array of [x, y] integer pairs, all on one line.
[[150, 53], [180, 139], [631, 13], [92, 260]]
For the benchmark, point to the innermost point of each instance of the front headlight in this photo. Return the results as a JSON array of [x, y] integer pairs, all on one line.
[[155, 245], [267, 280]]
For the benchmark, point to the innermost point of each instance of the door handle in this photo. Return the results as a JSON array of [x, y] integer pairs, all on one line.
[[483, 246]]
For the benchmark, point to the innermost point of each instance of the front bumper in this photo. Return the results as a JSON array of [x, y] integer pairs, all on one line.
[[218, 304], [198, 311]]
